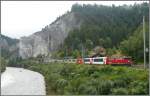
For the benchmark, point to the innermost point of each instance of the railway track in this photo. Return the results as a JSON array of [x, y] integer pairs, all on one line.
[[75, 61]]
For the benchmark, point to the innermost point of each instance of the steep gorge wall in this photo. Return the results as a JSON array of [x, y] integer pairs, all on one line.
[[8, 46], [49, 38]]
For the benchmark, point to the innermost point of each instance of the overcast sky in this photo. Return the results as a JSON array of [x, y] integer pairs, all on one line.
[[23, 18]]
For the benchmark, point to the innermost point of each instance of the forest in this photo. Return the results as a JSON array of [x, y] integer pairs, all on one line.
[[115, 28]]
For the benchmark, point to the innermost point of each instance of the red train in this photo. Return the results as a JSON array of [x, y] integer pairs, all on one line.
[[106, 61]]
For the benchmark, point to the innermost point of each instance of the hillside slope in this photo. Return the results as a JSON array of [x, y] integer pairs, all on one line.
[[9, 46], [106, 27], [86, 26], [133, 46]]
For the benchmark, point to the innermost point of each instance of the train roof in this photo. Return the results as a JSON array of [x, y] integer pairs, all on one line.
[[93, 57]]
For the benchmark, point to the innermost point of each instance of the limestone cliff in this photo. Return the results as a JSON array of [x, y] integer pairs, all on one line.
[[8, 46], [49, 38]]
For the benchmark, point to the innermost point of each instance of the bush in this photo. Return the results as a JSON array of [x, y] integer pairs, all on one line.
[[3, 64], [73, 79], [120, 91]]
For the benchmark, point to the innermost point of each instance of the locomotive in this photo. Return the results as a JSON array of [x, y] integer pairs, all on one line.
[[106, 61]]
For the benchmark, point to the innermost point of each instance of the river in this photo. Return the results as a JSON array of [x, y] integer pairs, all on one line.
[[19, 81]]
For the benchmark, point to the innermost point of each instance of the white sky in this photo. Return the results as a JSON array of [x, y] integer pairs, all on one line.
[[23, 18]]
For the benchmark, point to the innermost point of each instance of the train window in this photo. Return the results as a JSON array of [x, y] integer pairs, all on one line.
[[86, 60], [98, 60]]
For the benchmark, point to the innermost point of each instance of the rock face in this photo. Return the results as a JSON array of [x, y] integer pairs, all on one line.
[[9, 47], [49, 38]]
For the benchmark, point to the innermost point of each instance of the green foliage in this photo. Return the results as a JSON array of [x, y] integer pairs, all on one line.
[[14, 62], [3, 65], [134, 45], [106, 23], [109, 27], [73, 79], [111, 51], [120, 91], [76, 53]]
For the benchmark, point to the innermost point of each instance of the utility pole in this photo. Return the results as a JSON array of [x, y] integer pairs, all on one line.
[[149, 44], [66, 49], [144, 41], [83, 51]]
